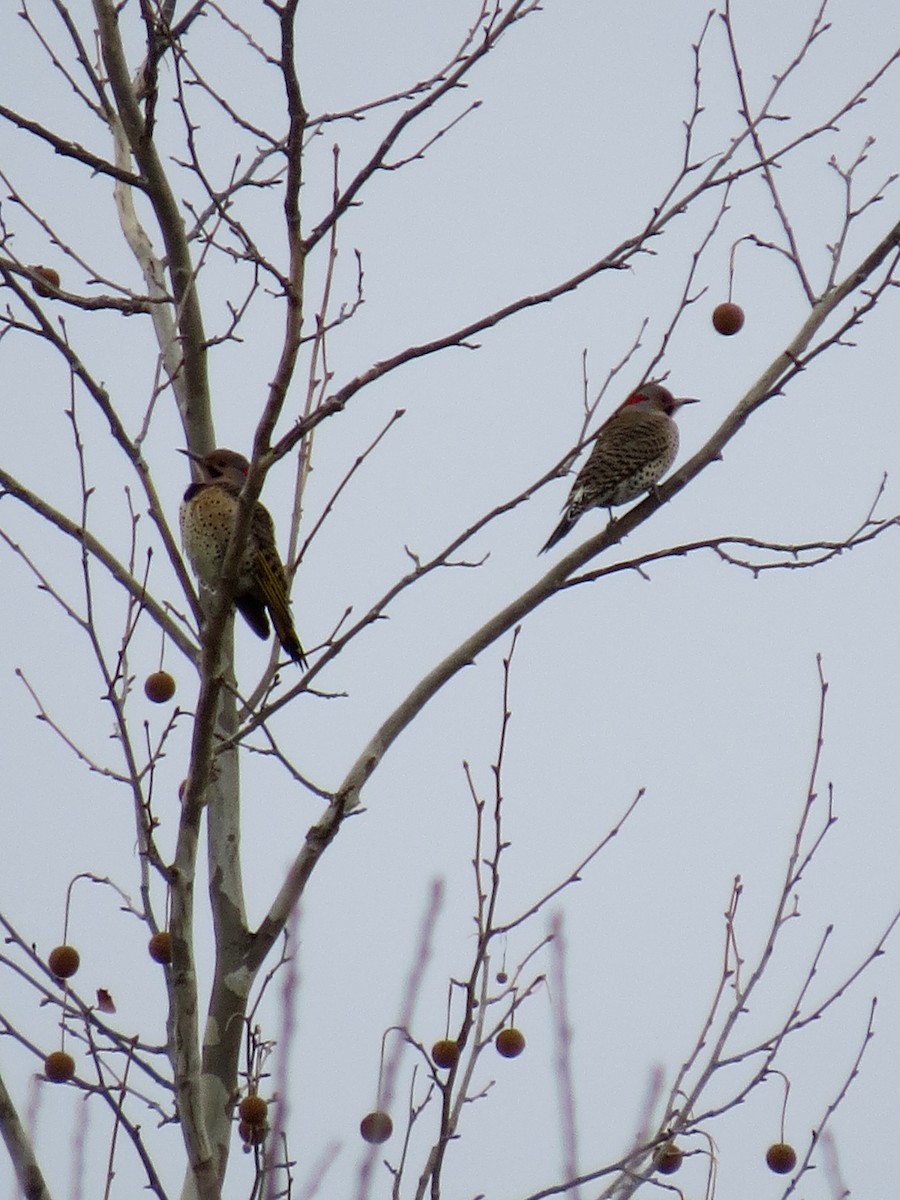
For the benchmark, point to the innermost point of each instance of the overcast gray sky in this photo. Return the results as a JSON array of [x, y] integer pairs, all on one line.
[[698, 683]]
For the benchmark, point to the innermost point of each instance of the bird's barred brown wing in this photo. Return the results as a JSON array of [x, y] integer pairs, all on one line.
[[632, 454], [272, 584]]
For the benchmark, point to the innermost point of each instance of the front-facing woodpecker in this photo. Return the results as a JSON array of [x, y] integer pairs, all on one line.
[[207, 516], [632, 451]]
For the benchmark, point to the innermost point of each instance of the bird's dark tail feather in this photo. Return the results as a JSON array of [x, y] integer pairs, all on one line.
[[560, 531]]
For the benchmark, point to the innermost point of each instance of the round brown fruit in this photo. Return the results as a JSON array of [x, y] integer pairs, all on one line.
[[253, 1110], [160, 947], [667, 1158], [59, 1067], [251, 1135], [728, 319], [376, 1127], [502, 977], [64, 961], [50, 275], [159, 687], [781, 1158], [510, 1042], [445, 1053]]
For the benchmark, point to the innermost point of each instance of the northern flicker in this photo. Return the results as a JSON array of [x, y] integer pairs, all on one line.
[[632, 451], [207, 517]]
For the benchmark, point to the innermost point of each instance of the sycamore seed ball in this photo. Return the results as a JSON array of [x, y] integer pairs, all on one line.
[[728, 319], [59, 1067], [159, 687], [63, 961], [253, 1110], [50, 275], [160, 946], [781, 1158], [445, 1053], [251, 1135], [667, 1158], [376, 1127], [510, 1042]]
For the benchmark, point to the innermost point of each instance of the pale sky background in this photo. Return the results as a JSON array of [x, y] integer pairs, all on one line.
[[699, 685]]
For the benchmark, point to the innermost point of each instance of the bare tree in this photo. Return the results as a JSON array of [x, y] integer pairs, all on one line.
[[186, 129]]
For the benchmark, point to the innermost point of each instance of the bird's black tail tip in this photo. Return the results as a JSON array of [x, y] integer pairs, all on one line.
[[295, 651], [557, 535]]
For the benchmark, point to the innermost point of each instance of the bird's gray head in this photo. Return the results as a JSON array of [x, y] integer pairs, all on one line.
[[221, 466], [654, 397]]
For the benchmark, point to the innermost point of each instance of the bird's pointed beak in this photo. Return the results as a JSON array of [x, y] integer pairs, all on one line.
[[191, 455], [687, 400]]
